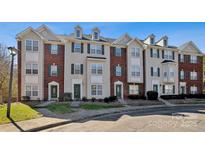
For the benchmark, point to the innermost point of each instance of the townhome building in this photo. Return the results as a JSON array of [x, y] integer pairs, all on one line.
[[51, 65], [161, 66], [127, 68], [77, 65], [190, 69]]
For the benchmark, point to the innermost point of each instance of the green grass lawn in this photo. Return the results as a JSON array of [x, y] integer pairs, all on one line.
[[59, 108], [19, 112], [91, 106]]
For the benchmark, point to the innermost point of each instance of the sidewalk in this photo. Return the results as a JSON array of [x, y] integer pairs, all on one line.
[[51, 120]]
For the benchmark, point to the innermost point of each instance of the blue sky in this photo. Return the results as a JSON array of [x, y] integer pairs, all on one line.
[[178, 33]]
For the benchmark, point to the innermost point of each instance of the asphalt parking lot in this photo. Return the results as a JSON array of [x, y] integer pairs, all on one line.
[[174, 119]]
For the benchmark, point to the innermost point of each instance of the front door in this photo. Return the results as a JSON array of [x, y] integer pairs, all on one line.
[[54, 91], [182, 90], [119, 91], [77, 91]]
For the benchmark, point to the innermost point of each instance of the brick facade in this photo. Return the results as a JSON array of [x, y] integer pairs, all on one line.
[[19, 69], [188, 67], [122, 61], [50, 59]]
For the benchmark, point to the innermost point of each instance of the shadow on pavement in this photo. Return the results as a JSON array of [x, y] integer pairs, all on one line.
[[16, 125]]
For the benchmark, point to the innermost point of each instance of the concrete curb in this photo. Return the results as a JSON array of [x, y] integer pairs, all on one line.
[[108, 114]]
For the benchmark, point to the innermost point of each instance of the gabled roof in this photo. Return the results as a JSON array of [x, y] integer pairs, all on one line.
[[164, 37], [189, 47], [27, 30], [123, 40], [137, 40], [43, 28]]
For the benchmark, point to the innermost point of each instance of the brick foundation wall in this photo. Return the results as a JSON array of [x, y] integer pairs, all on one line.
[[49, 59]]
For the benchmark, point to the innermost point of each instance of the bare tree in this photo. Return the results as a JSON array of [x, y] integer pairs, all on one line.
[[4, 70]]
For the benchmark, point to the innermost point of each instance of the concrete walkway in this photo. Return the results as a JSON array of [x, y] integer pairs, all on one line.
[[50, 119]]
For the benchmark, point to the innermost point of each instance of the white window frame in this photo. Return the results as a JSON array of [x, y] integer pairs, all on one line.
[[96, 69], [96, 49], [77, 68], [168, 89], [77, 47], [135, 71], [54, 70], [135, 52], [118, 70], [193, 75], [98, 91], [193, 89], [154, 53], [193, 59], [32, 90], [168, 55], [182, 77], [32, 45], [76, 33], [118, 52], [54, 49], [32, 68], [181, 58], [133, 89]]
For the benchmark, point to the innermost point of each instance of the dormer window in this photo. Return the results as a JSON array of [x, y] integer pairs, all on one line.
[[95, 34], [78, 32], [152, 40], [165, 42]]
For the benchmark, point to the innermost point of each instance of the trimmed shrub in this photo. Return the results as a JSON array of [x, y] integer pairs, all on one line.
[[100, 100], [112, 98], [106, 99], [25, 98], [84, 99], [182, 96], [67, 96], [152, 95], [133, 97], [93, 99]]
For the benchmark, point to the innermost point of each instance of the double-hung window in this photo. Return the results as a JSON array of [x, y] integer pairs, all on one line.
[[118, 52], [135, 71], [182, 75], [181, 58], [193, 75], [31, 45], [133, 89], [54, 70], [77, 69], [97, 69], [31, 68], [193, 59], [77, 47], [135, 52], [31, 90], [118, 71], [96, 49], [193, 90], [168, 55], [54, 49], [96, 90]]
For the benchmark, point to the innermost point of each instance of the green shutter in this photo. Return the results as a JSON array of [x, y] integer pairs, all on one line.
[[59, 49], [163, 54], [158, 70], [151, 71], [88, 49], [82, 47], [72, 68], [49, 70], [102, 49], [58, 71], [151, 52], [49, 48], [81, 68], [72, 47], [173, 55], [163, 89]]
